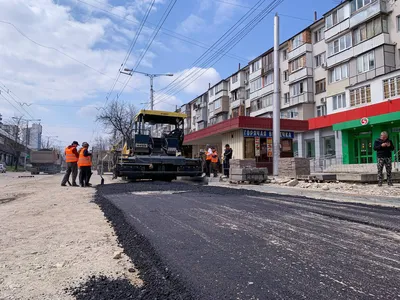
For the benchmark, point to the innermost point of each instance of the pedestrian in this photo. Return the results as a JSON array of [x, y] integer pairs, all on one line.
[[85, 165], [227, 157], [384, 148], [71, 158], [208, 160], [214, 161]]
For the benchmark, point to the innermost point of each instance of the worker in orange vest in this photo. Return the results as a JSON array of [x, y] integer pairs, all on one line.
[[214, 161], [71, 158], [85, 165], [208, 160]]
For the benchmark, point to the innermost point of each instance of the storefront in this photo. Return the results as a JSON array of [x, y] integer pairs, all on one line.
[[358, 137], [249, 137], [357, 129]]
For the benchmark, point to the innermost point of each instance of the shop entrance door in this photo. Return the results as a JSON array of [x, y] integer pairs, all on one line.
[[363, 149], [395, 137]]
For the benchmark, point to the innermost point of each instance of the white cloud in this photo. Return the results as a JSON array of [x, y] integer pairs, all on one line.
[[90, 110], [192, 24], [198, 86], [27, 66], [225, 12]]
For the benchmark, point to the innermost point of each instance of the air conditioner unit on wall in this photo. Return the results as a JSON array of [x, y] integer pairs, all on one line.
[[323, 100], [323, 65], [246, 82]]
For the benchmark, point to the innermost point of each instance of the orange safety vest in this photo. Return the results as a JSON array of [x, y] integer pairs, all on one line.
[[208, 156], [69, 155], [214, 157], [84, 161]]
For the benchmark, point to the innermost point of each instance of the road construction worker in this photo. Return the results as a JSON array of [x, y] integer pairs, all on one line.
[[214, 161], [71, 158], [85, 165], [227, 157], [208, 160]]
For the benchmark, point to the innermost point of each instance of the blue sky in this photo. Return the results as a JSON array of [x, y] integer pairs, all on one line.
[[66, 95]]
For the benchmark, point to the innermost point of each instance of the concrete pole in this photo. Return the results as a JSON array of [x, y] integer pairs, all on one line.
[[26, 143], [277, 101], [151, 93]]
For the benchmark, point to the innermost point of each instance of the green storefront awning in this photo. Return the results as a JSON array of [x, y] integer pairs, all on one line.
[[395, 116]]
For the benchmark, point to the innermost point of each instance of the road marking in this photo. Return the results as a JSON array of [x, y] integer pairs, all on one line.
[[146, 193]]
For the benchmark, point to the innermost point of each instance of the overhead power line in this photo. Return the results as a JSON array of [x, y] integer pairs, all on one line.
[[163, 30], [59, 51], [229, 44]]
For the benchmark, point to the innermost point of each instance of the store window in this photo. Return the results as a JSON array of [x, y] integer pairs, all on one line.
[[249, 148], [329, 146], [310, 148]]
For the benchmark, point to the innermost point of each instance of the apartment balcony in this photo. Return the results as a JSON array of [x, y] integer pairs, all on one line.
[[201, 115], [337, 29], [265, 90], [247, 103], [237, 103], [185, 109], [368, 12], [300, 50], [302, 98], [300, 74], [254, 75], [355, 51], [262, 111]]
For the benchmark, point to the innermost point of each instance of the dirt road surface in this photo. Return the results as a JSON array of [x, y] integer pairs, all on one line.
[[52, 238]]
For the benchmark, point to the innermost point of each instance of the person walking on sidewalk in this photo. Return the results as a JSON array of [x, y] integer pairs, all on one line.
[[227, 157], [384, 148], [85, 165], [71, 158]]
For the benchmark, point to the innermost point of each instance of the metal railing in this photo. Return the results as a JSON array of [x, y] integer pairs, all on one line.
[[322, 163]]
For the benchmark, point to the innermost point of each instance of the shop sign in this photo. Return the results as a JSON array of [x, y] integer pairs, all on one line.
[[257, 146], [364, 121], [269, 147], [267, 134]]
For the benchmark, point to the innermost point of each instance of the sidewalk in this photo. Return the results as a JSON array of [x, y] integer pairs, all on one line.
[[317, 194], [54, 238]]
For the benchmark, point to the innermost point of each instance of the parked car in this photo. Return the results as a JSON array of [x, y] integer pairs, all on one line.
[[2, 168]]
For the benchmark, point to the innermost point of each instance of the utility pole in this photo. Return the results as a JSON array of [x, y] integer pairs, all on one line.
[[277, 101], [151, 76], [26, 136]]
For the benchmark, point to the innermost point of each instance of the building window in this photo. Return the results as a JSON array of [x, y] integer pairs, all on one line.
[[370, 29], [249, 148], [358, 4], [255, 66], [297, 64], [247, 94], [310, 148], [391, 87], [234, 78], [285, 75], [297, 41], [366, 62], [219, 87], [255, 85], [398, 23], [286, 97], [338, 73], [339, 101], [339, 45], [297, 89], [268, 61], [321, 110], [318, 35], [269, 78], [320, 86], [329, 146], [217, 104], [336, 17], [261, 103], [284, 54], [319, 60], [361, 95], [212, 92], [290, 114]]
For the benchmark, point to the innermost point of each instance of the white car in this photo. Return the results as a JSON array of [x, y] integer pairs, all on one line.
[[2, 168]]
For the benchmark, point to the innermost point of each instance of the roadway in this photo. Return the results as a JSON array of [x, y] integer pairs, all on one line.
[[219, 243]]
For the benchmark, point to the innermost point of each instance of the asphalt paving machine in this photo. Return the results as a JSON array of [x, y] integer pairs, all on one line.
[[156, 154]]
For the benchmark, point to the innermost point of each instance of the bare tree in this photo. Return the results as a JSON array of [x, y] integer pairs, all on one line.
[[12, 142], [119, 119]]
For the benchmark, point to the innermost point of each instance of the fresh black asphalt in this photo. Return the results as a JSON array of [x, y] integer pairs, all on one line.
[[200, 242]]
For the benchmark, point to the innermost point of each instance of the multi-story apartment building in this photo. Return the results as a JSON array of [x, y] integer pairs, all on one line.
[[341, 75]]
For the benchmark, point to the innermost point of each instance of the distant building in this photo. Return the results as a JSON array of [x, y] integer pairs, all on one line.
[[34, 136]]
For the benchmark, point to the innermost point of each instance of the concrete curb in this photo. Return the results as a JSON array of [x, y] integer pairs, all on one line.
[[317, 195]]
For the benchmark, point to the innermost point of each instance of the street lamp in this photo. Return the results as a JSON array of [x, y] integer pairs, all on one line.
[[151, 76]]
